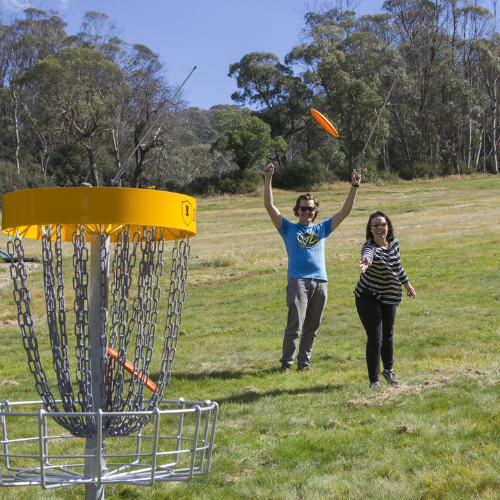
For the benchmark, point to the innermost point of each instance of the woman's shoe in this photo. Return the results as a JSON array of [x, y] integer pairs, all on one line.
[[391, 378]]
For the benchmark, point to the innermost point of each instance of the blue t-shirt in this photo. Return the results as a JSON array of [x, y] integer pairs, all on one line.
[[305, 246]]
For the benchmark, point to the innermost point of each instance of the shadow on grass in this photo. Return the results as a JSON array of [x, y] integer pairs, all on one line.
[[223, 375], [253, 395]]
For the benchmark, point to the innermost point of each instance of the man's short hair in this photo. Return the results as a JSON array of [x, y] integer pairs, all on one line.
[[306, 197]]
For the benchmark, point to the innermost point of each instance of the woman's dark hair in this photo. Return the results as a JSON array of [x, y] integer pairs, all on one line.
[[379, 213], [306, 197]]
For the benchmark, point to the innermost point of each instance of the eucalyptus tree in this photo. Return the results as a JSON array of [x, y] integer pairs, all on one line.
[[149, 113], [247, 137], [345, 65], [430, 116], [98, 32], [473, 23], [489, 62], [281, 98], [26, 41], [82, 88]]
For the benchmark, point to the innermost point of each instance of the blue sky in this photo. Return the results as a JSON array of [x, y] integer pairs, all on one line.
[[186, 33]]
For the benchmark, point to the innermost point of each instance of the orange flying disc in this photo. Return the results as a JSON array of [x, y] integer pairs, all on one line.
[[130, 368], [324, 122]]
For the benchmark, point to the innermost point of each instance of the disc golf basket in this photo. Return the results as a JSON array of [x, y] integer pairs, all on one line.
[[106, 396]]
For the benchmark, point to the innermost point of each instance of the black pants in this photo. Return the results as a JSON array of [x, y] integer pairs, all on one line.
[[378, 321]]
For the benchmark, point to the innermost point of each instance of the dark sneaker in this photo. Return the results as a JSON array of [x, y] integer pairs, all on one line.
[[285, 369], [391, 378], [374, 385], [304, 368]]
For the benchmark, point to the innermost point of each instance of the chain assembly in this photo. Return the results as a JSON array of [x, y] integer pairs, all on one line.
[[127, 324]]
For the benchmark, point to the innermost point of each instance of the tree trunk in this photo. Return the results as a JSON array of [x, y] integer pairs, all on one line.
[[484, 152], [16, 127], [469, 154], [93, 167], [476, 166], [494, 131], [116, 150], [139, 167], [387, 160], [454, 160]]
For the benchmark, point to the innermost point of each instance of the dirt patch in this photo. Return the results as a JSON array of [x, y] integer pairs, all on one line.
[[6, 280], [9, 382], [406, 429]]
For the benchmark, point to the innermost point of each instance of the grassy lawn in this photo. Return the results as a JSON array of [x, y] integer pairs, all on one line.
[[325, 434]]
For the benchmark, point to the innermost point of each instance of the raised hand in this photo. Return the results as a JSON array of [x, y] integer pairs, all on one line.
[[269, 170], [355, 177]]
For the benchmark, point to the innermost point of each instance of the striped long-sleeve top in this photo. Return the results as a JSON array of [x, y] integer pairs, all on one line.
[[384, 277]]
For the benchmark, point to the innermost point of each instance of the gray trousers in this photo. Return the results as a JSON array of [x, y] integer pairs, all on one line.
[[306, 300]]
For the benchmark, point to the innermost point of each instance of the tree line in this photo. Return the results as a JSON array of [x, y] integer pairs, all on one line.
[[75, 108], [442, 57]]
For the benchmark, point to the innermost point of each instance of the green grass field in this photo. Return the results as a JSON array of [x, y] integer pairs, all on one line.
[[325, 434]]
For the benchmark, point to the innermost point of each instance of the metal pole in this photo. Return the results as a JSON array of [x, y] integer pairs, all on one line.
[[118, 176], [93, 468], [358, 166]]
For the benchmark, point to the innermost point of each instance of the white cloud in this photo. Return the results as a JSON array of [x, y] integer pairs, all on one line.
[[15, 5], [20, 5]]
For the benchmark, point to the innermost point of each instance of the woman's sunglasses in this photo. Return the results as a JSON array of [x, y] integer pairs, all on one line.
[[307, 209], [381, 224]]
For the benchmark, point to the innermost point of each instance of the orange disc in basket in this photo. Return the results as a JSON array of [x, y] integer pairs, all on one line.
[[130, 368], [324, 122]]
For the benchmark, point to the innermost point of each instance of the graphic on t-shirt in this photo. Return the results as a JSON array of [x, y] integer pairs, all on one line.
[[308, 240]]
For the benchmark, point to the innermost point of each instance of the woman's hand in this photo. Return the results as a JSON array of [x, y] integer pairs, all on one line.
[[364, 265], [410, 291]]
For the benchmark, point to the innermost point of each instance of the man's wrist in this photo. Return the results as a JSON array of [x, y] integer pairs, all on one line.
[[355, 185]]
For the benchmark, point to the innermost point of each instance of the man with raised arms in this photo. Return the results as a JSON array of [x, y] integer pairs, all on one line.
[[306, 291]]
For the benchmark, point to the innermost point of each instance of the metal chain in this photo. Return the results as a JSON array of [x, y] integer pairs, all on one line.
[[22, 299], [120, 342], [61, 316], [120, 285], [104, 280], [176, 298], [81, 308], [151, 283], [133, 401], [58, 343], [150, 272]]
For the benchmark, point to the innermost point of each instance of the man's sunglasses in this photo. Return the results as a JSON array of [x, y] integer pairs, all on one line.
[[381, 224], [307, 209]]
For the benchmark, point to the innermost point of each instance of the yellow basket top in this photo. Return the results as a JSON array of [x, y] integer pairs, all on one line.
[[95, 207]]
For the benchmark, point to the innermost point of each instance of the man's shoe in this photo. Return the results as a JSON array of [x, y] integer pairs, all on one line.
[[285, 369], [374, 385], [391, 378], [304, 368]]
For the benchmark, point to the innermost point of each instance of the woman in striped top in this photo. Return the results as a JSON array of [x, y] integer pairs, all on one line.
[[378, 293]]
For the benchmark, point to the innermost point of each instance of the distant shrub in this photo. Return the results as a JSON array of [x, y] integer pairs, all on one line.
[[369, 172], [302, 175], [490, 165], [10, 180], [387, 177], [240, 182], [30, 177], [427, 170]]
